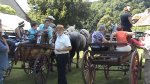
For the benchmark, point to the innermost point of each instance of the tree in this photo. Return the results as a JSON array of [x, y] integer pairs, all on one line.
[[7, 9]]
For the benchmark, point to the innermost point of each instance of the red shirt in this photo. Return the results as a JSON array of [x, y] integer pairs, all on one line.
[[121, 36]]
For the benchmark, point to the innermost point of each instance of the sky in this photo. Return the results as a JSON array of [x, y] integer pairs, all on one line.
[[92, 0], [24, 5]]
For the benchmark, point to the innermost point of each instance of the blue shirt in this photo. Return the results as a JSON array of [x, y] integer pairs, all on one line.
[[50, 30], [32, 33], [3, 56]]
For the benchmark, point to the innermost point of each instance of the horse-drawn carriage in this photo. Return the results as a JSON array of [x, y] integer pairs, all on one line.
[[34, 58], [111, 60]]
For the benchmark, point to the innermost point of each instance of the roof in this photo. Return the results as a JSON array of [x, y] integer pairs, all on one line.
[[10, 22]]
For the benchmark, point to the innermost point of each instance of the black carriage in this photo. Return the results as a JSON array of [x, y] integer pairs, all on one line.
[[105, 60]]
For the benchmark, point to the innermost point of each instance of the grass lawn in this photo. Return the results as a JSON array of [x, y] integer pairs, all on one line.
[[18, 76]]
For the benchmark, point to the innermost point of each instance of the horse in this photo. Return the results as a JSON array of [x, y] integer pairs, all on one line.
[[79, 41]]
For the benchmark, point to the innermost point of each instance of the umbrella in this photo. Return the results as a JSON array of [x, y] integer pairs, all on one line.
[[10, 22]]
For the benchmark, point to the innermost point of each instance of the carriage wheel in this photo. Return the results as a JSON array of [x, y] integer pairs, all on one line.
[[134, 66], [28, 66], [41, 69], [88, 69]]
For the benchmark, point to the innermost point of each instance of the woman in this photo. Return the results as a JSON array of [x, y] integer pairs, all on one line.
[[4, 49], [98, 37], [121, 37]]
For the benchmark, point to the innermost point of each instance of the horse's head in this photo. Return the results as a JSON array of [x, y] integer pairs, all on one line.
[[42, 37], [70, 29]]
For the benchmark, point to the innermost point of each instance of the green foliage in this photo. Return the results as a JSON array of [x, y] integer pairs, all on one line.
[[141, 28], [7, 9], [84, 14]]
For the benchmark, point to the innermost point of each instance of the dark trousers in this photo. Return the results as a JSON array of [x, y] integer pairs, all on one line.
[[62, 60]]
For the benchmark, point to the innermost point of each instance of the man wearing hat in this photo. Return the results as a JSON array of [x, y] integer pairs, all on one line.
[[62, 48], [51, 24], [51, 19], [19, 31]]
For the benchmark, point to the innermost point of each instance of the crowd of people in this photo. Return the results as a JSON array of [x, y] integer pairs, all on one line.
[[63, 45]]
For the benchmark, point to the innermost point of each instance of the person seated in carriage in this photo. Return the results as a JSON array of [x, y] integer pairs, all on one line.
[[98, 37], [121, 37], [33, 32], [46, 29], [19, 31]]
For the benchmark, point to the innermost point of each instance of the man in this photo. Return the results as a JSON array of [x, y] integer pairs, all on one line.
[[51, 19], [32, 32], [62, 48], [126, 19], [46, 29], [19, 31]]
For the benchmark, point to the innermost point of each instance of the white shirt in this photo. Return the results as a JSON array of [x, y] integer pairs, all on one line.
[[61, 42]]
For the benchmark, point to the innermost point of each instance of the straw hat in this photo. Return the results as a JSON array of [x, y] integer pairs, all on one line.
[[61, 27], [20, 24], [51, 17]]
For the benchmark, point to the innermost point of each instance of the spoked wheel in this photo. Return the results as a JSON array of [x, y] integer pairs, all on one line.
[[41, 69], [134, 66], [28, 66], [88, 69]]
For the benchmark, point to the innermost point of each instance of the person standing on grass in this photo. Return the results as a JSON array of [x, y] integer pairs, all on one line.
[[62, 48], [4, 49]]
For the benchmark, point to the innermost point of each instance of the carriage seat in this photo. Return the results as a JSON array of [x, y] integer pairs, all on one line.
[[98, 47], [108, 53]]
